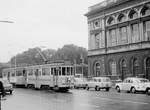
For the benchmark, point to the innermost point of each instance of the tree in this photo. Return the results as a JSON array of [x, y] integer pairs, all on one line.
[[67, 52]]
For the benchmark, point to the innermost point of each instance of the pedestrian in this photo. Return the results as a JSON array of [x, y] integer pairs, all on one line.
[[2, 92]]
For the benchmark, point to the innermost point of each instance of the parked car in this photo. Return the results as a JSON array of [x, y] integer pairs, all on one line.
[[133, 85], [8, 88], [99, 83], [79, 83]]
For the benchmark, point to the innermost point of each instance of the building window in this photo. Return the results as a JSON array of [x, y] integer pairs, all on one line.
[[123, 69], [97, 72], [110, 21], [147, 68], [112, 37], [97, 41], [121, 18], [145, 11], [113, 70], [135, 67], [146, 30], [97, 24], [123, 35], [135, 33], [133, 14]]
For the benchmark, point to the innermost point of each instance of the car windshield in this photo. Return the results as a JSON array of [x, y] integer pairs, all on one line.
[[106, 79]]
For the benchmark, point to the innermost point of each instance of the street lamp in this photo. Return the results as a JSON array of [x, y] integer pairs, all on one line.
[[4, 21]]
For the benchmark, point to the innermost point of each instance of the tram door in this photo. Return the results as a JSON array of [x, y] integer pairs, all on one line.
[[8, 76], [36, 78], [25, 76], [55, 77]]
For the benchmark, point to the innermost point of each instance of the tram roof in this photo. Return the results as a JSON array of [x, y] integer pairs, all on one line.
[[38, 66]]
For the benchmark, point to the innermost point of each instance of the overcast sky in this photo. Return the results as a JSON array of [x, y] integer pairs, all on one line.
[[49, 23]]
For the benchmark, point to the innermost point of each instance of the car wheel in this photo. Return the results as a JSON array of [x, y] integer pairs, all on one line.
[[10, 91], [107, 89], [133, 90], [87, 87], [118, 89], [148, 91], [96, 88]]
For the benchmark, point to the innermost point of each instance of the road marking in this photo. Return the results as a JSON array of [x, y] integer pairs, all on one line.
[[128, 101]]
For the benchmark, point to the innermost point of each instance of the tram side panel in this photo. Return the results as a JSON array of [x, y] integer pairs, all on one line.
[[21, 77], [62, 78]]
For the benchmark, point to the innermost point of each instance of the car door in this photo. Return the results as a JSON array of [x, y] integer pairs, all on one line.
[[124, 84], [127, 84]]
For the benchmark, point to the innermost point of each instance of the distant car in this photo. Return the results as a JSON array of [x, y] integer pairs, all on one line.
[[99, 83], [8, 88], [79, 83], [133, 85]]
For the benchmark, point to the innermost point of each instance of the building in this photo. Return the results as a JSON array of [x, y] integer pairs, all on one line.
[[119, 38]]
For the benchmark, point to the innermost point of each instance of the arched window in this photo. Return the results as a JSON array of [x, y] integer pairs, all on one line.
[[121, 18], [145, 11], [112, 66], [133, 14], [123, 69], [97, 71], [148, 68], [111, 21], [135, 67]]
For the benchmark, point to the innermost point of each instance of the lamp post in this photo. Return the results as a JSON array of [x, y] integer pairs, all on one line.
[[4, 21]]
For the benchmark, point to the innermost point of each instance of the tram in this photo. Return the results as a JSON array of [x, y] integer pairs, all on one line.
[[55, 76]]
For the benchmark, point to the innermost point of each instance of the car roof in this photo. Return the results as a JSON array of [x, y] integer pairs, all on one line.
[[134, 78]]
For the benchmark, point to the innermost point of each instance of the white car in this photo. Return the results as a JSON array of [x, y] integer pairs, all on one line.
[[133, 84], [79, 83], [99, 83]]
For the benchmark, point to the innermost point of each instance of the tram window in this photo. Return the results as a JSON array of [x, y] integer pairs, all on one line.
[[30, 72], [39, 73], [55, 72], [45, 71], [71, 71], [59, 70], [24, 72], [18, 73], [52, 71], [12, 74], [36, 72], [68, 70], [63, 70], [5, 74]]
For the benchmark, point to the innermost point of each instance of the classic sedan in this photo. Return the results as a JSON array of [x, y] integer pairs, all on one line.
[[133, 85], [79, 83], [99, 83]]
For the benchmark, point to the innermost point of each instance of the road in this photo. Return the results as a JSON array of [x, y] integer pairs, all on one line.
[[27, 99]]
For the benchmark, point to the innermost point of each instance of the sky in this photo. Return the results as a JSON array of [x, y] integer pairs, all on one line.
[[42, 23]]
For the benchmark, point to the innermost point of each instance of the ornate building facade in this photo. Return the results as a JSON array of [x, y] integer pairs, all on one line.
[[119, 38]]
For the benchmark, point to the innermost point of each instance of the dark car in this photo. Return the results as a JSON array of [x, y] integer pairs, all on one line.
[[8, 88]]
